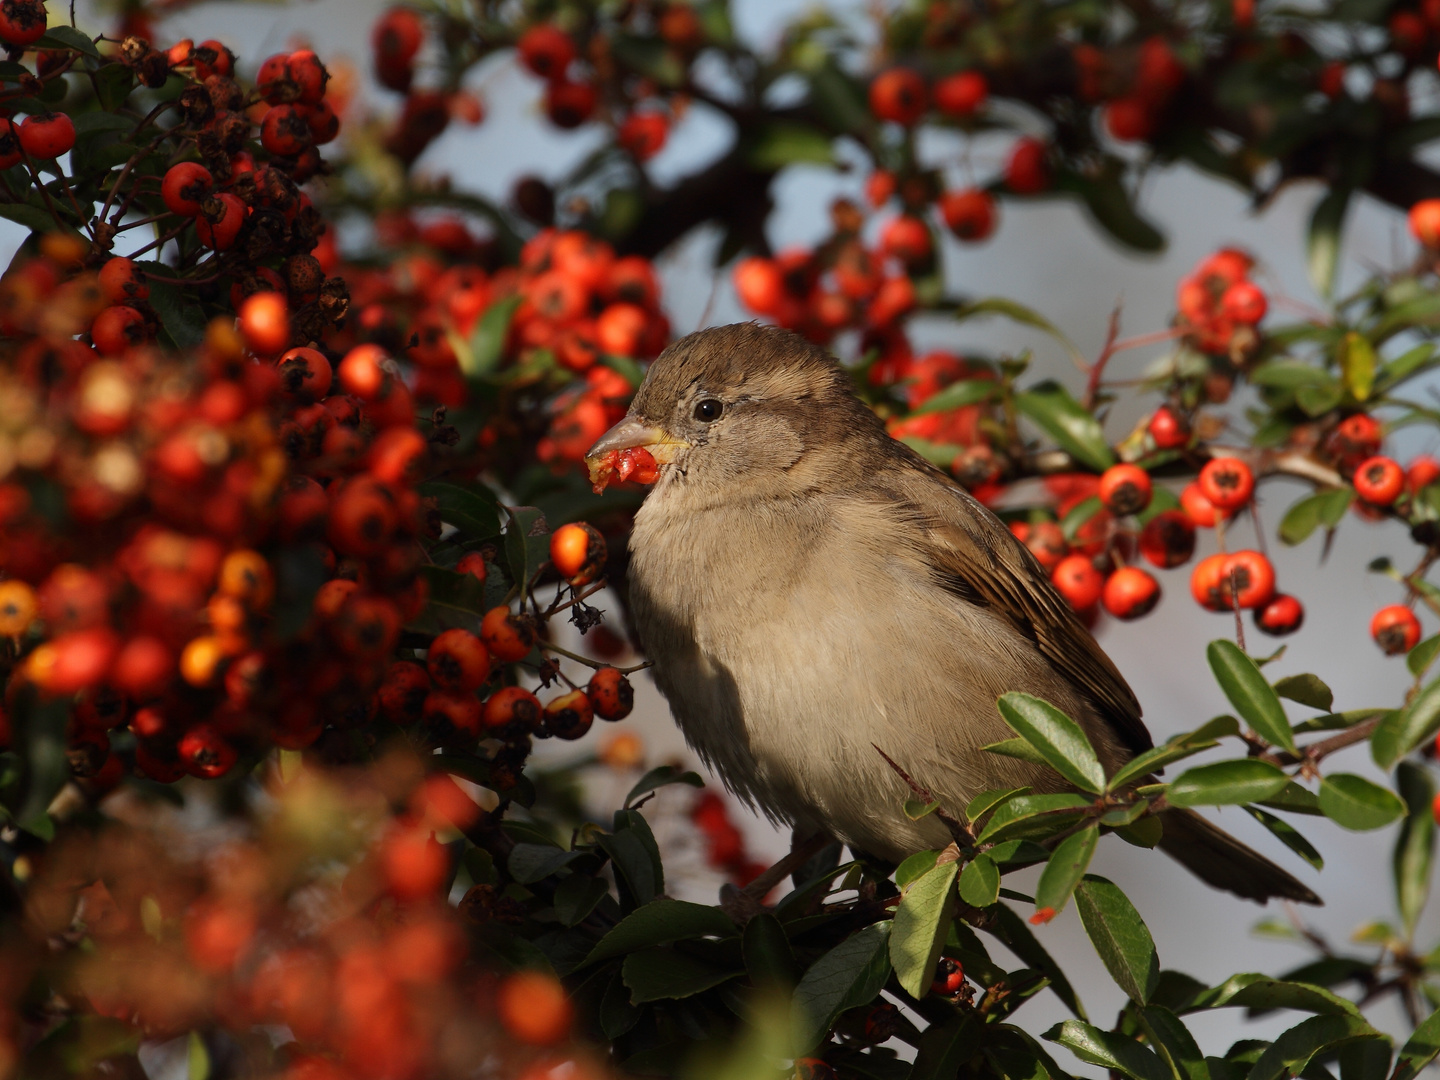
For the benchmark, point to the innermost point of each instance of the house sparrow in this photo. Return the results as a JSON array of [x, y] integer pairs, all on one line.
[[810, 589]]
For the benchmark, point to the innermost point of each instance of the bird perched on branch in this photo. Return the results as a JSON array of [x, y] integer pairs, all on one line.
[[810, 590]]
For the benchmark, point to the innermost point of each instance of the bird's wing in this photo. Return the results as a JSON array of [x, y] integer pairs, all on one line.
[[979, 559]]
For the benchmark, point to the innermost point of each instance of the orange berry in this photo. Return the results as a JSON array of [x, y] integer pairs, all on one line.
[[508, 636], [473, 564], [1395, 629], [1227, 483], [1379, 480], [1282, 615], [569, 716], [511, 712], [265, 322], [611, 695], [1248, 577], [1168, 539], [200, 660], [446, 713], [458, 661], [414, 865], [1124, 489], [1078, 581], [578, 552], [246, 576], [1130, 593], [898, 95], [534, 1008], [18, 607], [1206, 582], [1425, 222]]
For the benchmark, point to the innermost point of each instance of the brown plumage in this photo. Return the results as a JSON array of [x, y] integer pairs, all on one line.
[[808, 586]]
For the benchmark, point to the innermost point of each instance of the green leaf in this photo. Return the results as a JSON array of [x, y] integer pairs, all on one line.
[[1254, 698], [1119, 936], [1309, 513], [1287, 373], [986, 801], [1065, 869], [1319, 400], [980, 882], [530, 863], [1016, 312], [576, 897], [1289, 1054], [946, 1047], [1056, 737], [1110, 204], [67, 37], [1226, 783], [1307, 690], [1052, 409], [1293, 799], [1181, 746], [454, 600], [850, 974], [1322, 242], [922, 922], [1407, 728], [1419, 659], [1357, 365], [1408, 364], [660, 922], [183, 319], [1110, 1050], [113, 83], [1420, 1049], [914, 866], [1017, 937], [1260, 992], [1018, 749], [662, 974], [33, 218], [1356, 803], [1172, 1040], [197, 1055], [1002, 824], [915, 809], [1415, 846], [526, 542], [662, 776], [775, 144], [487, 340], [958, 395], [1289, 836], [769, 960], [473, 510]]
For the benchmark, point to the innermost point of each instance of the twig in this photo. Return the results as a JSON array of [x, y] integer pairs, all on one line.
[[960, 832], [1097, 369]]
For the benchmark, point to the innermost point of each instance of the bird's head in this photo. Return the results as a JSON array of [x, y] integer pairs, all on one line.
[[739, 401]]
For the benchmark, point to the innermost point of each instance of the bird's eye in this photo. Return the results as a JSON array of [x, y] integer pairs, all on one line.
[[708, 410]]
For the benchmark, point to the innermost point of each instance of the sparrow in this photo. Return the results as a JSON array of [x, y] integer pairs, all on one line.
[[810, 590]]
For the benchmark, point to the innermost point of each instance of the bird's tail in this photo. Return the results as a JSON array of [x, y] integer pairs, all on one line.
[[1218, 859]]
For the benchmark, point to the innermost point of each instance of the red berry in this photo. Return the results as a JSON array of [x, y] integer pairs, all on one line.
[[547, 51], [1206, 582], [898, 95], [123, 281], [569, 104], [1168, 428], [265, 323], [511, 712], [1422, 471], [10, 151], [1027, 172], [403, 692], [398, 35], [185, 187], [1078, 581], [1248, 577], [534, 1008], [643, 134], [304, 373], [473, 564], [1130, 593], [508, 636], [962, 94], [1227, 482], [759, 285], [1046, 541], [1168, 539], [1425, 222], [47, 136], [969, 214], [1379, 480], [308, 74], [1198, 508], [415, 866], [1244, 302], [285, 131], [1395, 629], [220, 221], [118, 328], [578, 552], [1125, 489], [458, 661], [569, 716], [22, 22], [1282, 615], [1129, 119], [611, 695], [206, 753]]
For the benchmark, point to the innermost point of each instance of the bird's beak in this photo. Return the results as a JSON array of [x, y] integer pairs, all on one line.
[[628, 434]]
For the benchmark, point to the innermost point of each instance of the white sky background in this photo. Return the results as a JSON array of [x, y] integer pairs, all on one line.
[[1048, 256]]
